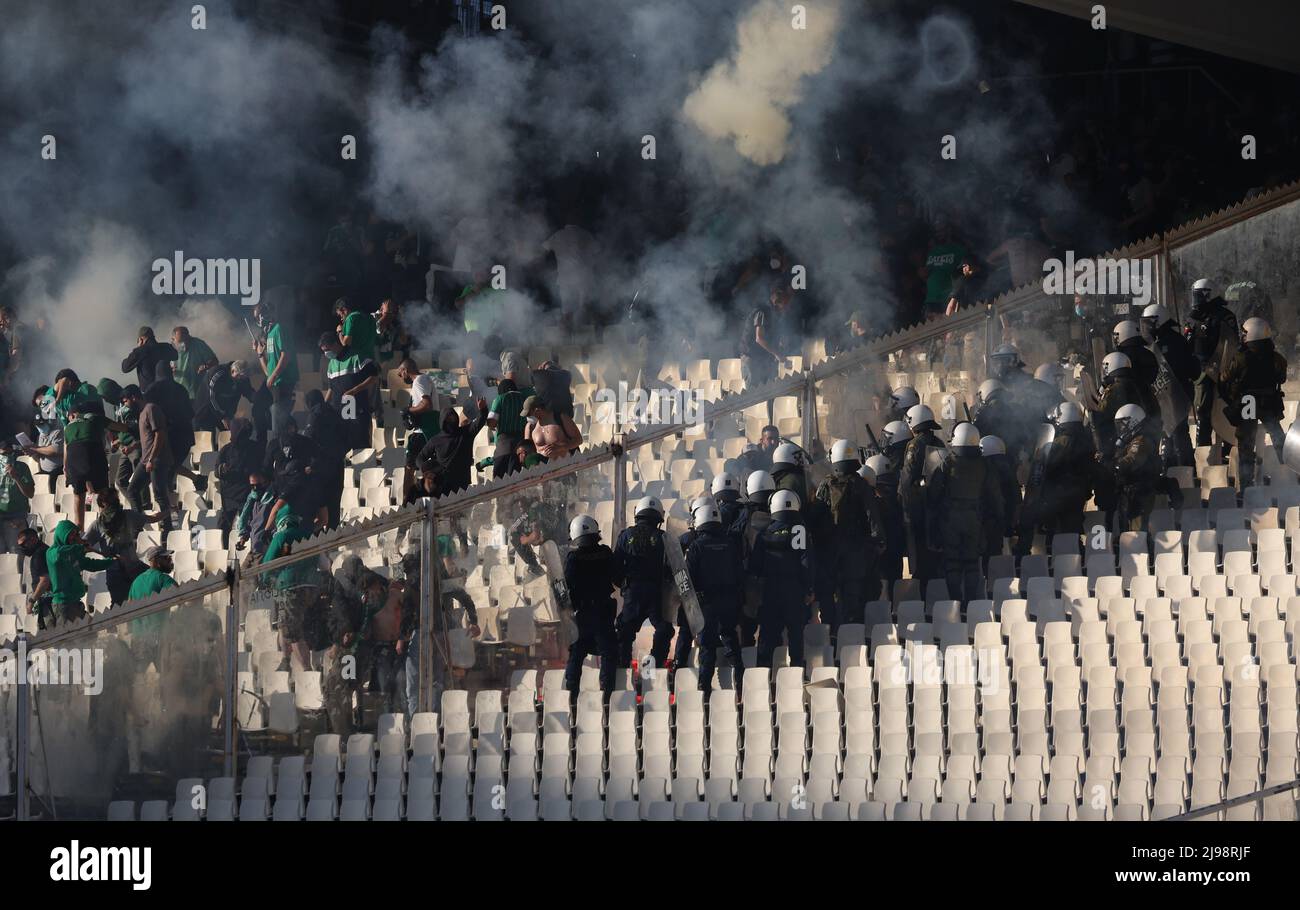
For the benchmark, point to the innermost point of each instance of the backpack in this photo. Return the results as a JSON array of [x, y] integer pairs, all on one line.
[[846, 511]]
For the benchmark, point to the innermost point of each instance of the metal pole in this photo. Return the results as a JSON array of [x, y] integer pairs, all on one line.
[[991, 316], [23, 721], [809, 427], [428, 597], [233, 613], [620, 486]]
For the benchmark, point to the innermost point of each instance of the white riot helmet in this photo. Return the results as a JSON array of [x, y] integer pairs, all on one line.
[[988, 388], [1005, 359], [965, 436], [992, 445], [583, 526], [787, 453], [701, 501], [879, 465], [1126, 331], [919, 416], [895, 432], [706, 514], [759, 484], [784, 501], [1255, 329], [867, 473], [1113, 362], [843, 450], [1202, 292], [1067, 412], [1128, 419], [1155, 315], [725, 482], [904, 397], [1051, 373], [649, 504]]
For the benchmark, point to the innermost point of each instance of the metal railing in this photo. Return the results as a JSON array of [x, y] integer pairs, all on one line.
[[1257, 796]]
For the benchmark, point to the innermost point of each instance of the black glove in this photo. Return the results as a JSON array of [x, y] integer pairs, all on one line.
[[408, 420]]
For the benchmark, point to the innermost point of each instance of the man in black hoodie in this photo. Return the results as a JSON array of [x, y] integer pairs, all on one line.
[[446, 459], [146, 357], [237, 459], [327, 429], [174, 401]]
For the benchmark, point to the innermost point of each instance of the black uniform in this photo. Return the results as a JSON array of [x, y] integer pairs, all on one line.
[[1185, 368], [754, 519], [713, 560], [850, 550], [1122, 388], [1004, 470], [642, 565], [591, 574], [1145, 368], [1211, 326], [895, 531], [913, 494], [1252, 383], [1138, 469], [786, 576], [1070, 465], [964, 493]]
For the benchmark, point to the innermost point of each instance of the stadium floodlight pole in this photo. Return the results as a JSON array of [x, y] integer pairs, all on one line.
[[23, 746]]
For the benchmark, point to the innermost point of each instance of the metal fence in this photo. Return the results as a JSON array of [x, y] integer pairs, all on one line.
[[177, 695]]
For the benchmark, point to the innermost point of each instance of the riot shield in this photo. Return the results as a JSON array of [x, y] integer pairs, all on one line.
[[1168, 391], [1291, 448], [1088, 391], [1223, 427], [1038, 461], [561, 604], [685, 590]]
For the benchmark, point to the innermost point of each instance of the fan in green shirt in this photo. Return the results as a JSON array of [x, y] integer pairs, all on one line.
[[193, 359], [357, 330], [151, 581]]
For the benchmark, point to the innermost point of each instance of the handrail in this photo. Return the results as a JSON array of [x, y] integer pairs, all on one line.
[[1258, 795]]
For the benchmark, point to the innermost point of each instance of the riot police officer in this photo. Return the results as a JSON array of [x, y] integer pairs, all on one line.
[[726, 495], [782, 563], [1129, 342], [964, 493], [1004, 469], [1121, 388], [787, 469], [852, 545], [995, 415], [1069, 468], [1212, 329], [900, 401], [893, 441], [1168, 340], [1252, 394], [885, 485], [1137, 466], [714, 564], [591, 575], [919, 461], [685, 638], [642, 565], [753, 520]]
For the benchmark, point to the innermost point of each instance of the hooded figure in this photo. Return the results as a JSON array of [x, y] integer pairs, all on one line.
[[236, 460], [175, 403], [66, 558], [446, 459]]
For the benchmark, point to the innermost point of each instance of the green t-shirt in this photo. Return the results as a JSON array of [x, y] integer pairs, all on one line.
[[362, 334], [82, 394], [188, 358], [12, 500], [275, 349], [150, 582], [87, 428], [507, 407], [942, 263]]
